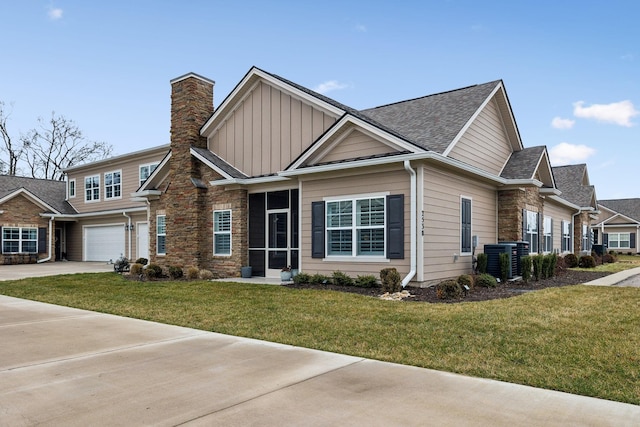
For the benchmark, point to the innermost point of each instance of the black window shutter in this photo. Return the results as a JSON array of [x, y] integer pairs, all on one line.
[[540, 233], [42, 240], [632, 240], [465, 226], [605, 238], [395, 226], [1, 249], [317, 229]]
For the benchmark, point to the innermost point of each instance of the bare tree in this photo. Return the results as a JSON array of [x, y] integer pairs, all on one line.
[[57, 144], [13, 149]]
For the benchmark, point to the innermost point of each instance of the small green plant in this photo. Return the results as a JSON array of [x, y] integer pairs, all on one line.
[[504, 266], [486, 280], [391, 280], [571, 260], [320, 279], [448, 289], [205, 274], [587, 261], [546, 263], [482, 260], [193, 273], [142, 261], [525, 262], [153, 271], [465, 280], [341, 279], [537, 266], [366, 281], [553, 264], [175, 272], [302, 279]]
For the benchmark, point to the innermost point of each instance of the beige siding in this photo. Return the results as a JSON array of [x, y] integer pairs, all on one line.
[[621, 229], [485, 143], [558, 213], [393, 181], [355, 145], [443, 191], [618, 220], [267, 131]]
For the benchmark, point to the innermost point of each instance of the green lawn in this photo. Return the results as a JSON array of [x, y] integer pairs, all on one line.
[[578, 339]]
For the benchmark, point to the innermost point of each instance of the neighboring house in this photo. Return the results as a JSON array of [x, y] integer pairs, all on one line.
[[619, 225], [279, 175]]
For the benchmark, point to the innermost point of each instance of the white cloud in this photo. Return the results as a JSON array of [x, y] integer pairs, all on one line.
[[361, 28], [560, 123], [566, 154], [55, 13], [330, 85], [619, 113]]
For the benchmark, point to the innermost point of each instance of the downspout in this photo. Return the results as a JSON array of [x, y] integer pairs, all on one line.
[[128, 230], [50, 241], [573, 233], [413, 228]]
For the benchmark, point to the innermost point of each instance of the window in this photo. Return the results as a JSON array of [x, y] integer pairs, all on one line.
[[586, 238], [72, 188], [547, 228], [146, 171], [161, 233], [19, 240], [356, 227], [566, 237], [112, 185], [465, 226], [531, 230], [92, 188], [222, 232], [619, 240]]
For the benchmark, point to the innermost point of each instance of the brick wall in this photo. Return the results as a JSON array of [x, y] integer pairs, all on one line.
[[20, 212]]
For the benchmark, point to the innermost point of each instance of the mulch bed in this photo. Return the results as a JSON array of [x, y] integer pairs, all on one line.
[[503, 290]]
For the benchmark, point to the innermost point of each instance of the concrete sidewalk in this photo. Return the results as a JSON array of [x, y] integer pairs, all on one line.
[[22, 271], [630, 278], [64, 366]]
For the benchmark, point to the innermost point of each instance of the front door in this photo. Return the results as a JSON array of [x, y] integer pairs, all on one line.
[[277, 241], [142, 239]]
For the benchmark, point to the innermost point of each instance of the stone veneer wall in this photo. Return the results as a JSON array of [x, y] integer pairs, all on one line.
[[20, 212], [510, 205], [582, 218]]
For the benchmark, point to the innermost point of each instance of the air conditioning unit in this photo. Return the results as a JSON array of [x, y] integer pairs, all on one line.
[[493, 258], [523, 250]]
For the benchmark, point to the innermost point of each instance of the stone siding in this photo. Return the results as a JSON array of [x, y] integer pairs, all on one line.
[[20, 212]]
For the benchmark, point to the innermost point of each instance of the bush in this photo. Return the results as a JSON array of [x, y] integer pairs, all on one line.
[[504, 266], [526, 264], [320, 279], [366, 281], [175, 272], [486, 281], [205, 274], [391, 280], [537, 266], [609, 259], [341, 279], [546, 263], [136, 269], [465, 280], [587, 261], [193, 273], [448, 289], [153, 271], [301, 278], [142, 261], [571, 260], [483, 260]]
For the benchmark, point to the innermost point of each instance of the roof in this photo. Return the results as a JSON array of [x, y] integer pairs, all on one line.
[[433, 122], [523, 164], [570, 181], [52, 193], [627, 207], [219, 163]]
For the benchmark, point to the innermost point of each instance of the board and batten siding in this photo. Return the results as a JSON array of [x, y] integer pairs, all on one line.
[[354, 145], [393, 181], [267, 131], [485, 143], [559, 214], [442, 223]]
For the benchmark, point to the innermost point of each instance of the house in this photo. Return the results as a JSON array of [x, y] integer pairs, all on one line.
[[619, 225], [278, 175]]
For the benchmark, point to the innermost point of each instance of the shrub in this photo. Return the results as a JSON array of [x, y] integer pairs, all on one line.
[[486, 280], [205, 274], [175, 272], [142, 261], [546, 263], [525, 263], [320, 279], [193, 273], [483, 260], [504, 266], [610, 259], [341, 279], [136, 269], [366, 281], [448, 289], [465, 280], [121, 265], [301, 278], [587, 261], [391, 280], [153, 271], [537, 266], [571, 260], [553, 264]]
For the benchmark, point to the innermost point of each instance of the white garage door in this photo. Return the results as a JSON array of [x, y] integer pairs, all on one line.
[[104, 243]]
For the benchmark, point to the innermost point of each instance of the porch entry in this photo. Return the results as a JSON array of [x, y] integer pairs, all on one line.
[[273, 232]]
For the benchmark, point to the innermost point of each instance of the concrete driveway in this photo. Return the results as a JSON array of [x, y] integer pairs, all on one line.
[[22, 271]]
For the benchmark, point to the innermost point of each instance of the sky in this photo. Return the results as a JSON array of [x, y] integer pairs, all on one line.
[[571, 68]]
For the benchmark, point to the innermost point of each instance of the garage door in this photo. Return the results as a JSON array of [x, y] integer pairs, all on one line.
[[104, 243]]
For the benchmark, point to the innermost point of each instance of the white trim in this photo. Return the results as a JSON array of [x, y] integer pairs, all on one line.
[[163, 163], [75, 188], [112, 185], [155, 232], [191, 74], [146, 165], [206, 161], [84, 235], [117, 159], [84, 189], [229, 232]]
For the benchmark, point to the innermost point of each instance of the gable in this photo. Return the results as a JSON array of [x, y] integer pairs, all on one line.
[[21, 206], [485, 143], [352, 144], [267, 129], [618, 219]]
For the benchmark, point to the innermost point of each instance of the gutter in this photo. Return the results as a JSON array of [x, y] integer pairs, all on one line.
[[413, 203], [50, 241]]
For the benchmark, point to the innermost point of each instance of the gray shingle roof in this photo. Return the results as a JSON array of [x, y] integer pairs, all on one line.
[[214, 159], [53, 193], [626, 207], [523, 164], [433, 121], [569, 181]]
